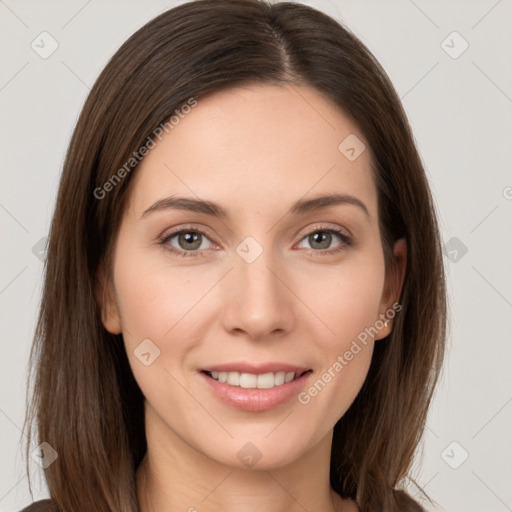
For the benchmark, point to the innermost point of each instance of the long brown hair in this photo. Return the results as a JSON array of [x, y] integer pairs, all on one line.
[[84, 397]]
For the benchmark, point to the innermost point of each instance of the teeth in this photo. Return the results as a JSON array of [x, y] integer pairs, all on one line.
[[233, 379], [251, 381]]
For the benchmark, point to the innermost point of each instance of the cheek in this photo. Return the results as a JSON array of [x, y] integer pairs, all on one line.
[[346, 299], [160, 311], [155, 301], [164, 310], [347, 302]]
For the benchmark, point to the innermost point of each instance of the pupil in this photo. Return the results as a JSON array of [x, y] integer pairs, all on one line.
[[321, 237], [190, 238]]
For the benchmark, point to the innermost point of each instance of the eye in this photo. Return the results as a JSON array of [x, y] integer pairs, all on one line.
[[190, 242], [321, 238], [194, 242]]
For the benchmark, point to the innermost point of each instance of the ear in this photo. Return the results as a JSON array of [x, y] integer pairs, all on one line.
[[110, 317], [392, 288]]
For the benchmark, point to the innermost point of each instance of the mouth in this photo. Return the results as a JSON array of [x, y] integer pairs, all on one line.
[[256, 388], [244, 380]]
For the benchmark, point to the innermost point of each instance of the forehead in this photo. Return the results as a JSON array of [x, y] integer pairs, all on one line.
[[257, 145]]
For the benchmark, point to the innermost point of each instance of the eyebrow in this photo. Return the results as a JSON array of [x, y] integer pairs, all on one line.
[[301, 207]]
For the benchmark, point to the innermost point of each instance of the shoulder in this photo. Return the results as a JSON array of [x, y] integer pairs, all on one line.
[[41, 506]]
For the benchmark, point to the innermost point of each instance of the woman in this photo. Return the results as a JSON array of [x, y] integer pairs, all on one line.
[[244, 301]]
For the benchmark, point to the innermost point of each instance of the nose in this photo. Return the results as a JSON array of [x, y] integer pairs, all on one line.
[[258, 302]]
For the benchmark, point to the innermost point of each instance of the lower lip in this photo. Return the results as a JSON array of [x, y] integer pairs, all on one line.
[[256, 400]]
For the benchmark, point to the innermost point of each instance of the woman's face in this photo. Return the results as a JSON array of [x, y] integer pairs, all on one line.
[[260, 282]]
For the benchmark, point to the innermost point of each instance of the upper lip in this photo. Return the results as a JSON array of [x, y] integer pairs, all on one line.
[[256, 369]]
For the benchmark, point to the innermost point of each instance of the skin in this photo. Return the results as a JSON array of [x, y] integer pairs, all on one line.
[[254, 150]]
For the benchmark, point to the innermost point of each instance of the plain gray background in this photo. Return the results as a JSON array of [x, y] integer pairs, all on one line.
[[459, 103]]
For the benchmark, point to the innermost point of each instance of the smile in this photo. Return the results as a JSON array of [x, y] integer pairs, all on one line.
[[253, 381]]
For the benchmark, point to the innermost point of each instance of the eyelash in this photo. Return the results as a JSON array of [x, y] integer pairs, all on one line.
[[345, 239]]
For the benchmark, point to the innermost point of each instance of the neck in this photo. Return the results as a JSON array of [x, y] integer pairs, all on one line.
[[175, 476]]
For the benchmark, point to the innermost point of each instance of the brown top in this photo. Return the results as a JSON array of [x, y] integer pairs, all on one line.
[[40, 506]]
